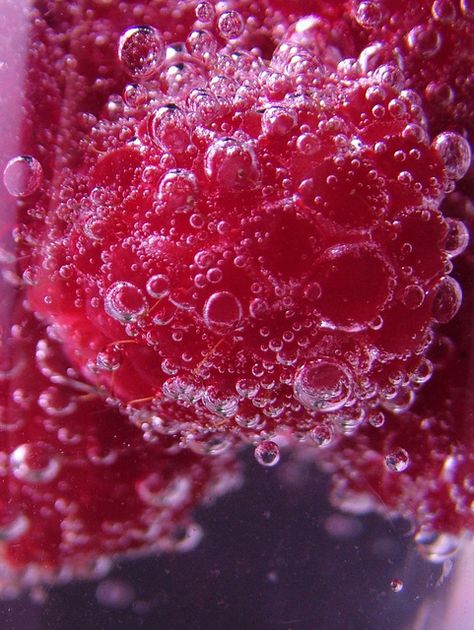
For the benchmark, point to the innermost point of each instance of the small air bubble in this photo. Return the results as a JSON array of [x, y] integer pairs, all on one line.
[[424, 40], [447, 300], [457, 238], [377, 420], [230, 24], [124, 302], [35, 463], [158, 286], [110, 359], [141, 51], [323, 385], [201, 44], [322, 434], [205, 12], [467, 7], [455, 151], [178, 190], [267, 453], [396, 585], [22, 176], [413, 296], [12, 525], [222, 310], [169, 128], [278, 121], [369, 14], [397, 460], [135, 95], [443, 11], [232, 164]]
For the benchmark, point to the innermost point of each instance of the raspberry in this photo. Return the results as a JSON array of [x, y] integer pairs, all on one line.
[[431, 42], [79, 486], [257, 252], [243, 229], [417, 460]]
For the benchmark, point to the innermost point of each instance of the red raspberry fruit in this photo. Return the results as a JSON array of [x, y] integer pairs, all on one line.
[[419, 463], [264, 250], [430, 41], [78, 484]]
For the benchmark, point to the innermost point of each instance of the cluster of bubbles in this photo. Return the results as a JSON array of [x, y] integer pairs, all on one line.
[[274, 199], [254, 245]]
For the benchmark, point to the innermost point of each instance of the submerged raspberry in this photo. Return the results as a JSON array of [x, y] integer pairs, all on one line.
[[419, 463], [273, 222], [427, 46], [78, 484], [238, 231]]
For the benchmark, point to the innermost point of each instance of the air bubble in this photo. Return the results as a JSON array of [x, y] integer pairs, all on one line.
[[447, 300], [110, 359], [135, 95], [397, 460], [267, 453], [183, 390], [214, 275], [35, 463], [468, 483], [400, 402], [443, 11], [210, 444], [390, 74], [56, 402], [204, 104], [457, 238], [439, 92], [322, 434], [222, 310], [413, 296], [219, 403], [247, 388], [10, 421], [95, 228], [467, 8], [424, 40], [369, 14], [124, 302], [278, 121], [141, 51], [100, 454], [12, 525], [201, 44], [169, 128], [178, 190], [158, 286], [396, 585], [232, 164], [455, 152], [205, 12], [423, 372], [437, 547], [230, 24], [164, 313], [307, 144], [377, 419], [22, 176], [323, 385], [155, 491]]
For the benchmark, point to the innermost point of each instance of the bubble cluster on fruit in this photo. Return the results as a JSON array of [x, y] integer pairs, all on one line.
[[240, 222], [262, 247]]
